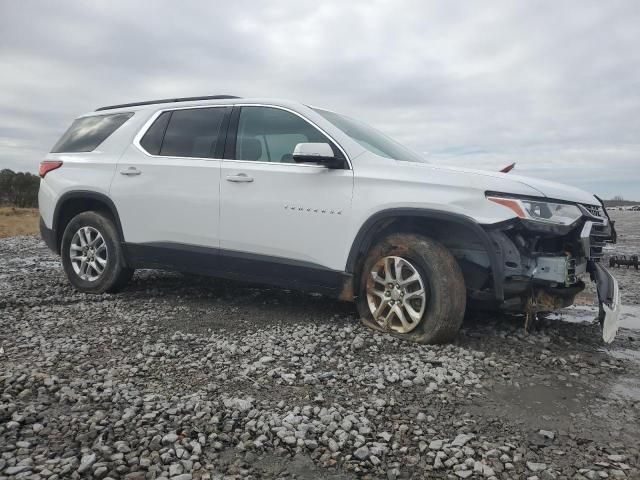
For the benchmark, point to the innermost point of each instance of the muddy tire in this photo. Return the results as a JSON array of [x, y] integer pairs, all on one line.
[[92, 254], [415, 288]]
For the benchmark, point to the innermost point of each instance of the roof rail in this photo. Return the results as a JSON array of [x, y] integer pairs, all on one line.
[[167, 100]]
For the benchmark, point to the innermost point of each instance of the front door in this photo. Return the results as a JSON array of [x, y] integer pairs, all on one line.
[[277, 217]]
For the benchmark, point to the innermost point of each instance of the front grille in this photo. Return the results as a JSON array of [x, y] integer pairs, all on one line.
[[595, 210], [594, 235], [599, 233]]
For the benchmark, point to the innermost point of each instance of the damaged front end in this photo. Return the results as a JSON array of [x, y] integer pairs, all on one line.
[[547, 251]]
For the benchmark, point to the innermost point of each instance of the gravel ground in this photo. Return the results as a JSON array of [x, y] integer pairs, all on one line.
[[182, 377]]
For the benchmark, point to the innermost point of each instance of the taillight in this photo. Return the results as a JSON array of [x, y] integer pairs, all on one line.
[[47, 165]]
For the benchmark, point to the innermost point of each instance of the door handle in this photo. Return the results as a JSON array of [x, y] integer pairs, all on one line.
[[240, 178], [130, 172]]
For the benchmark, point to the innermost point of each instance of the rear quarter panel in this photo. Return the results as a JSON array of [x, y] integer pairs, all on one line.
[[86, 171]]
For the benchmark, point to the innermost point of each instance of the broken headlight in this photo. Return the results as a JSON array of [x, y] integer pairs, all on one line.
[[540, 210]]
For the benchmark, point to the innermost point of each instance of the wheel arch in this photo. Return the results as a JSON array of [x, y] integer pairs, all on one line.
[[72, 203], [424, 221]]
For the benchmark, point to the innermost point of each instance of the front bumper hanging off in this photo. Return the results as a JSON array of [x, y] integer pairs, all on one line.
[[609, 299], [595, 233]]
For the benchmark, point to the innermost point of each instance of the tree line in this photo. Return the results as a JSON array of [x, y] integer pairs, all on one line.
[[19, 189]]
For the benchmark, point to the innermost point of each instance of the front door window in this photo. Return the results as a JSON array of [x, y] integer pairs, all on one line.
[[270, 135]]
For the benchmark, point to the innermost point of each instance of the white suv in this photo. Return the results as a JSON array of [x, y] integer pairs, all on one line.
[[295, 196]]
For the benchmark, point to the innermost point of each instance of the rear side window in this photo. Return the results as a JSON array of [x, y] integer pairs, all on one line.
[[185, 133], [152, 140], [86, 133]]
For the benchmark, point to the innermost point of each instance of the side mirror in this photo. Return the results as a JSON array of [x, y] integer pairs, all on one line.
[[319, 153]]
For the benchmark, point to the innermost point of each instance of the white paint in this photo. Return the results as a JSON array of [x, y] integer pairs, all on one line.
[[188, 200]]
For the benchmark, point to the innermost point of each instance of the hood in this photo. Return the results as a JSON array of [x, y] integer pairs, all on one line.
[[552, 190]]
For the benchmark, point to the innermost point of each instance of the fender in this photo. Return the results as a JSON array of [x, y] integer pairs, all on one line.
[[85, 195], [364, 238]]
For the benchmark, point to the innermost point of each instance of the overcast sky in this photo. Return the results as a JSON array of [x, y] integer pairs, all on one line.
[[553, 86]]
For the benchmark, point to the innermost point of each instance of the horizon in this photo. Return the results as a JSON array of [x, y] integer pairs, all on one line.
[[605, 199], [552, 87]]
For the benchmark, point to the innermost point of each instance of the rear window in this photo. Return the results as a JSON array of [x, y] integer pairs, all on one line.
[[86, 133]]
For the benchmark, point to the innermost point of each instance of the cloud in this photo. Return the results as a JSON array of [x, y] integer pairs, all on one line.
[[554, 86]]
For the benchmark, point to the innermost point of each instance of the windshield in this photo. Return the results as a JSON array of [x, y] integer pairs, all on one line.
[[371, 139]]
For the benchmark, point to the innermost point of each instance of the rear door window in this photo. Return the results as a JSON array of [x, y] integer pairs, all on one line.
[[192, 132], [85, 134]]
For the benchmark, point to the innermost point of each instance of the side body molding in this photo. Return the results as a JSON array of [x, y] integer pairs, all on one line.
[[366, 234]]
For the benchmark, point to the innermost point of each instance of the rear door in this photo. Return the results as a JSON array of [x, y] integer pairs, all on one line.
[[280, 218], [166, 187]]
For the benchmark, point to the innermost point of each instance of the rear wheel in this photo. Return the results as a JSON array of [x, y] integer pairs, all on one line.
[[92, 255], [412, 287]]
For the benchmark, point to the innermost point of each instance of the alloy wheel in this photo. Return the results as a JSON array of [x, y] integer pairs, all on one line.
[[396, 294], [88, 253]]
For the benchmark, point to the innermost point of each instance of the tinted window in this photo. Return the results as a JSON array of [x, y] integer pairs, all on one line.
[[270, 135], [86, 133], [152, 140], [192, 133]]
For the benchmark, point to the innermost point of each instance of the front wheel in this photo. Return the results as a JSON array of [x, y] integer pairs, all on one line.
[[92, 255], [412, 286]]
